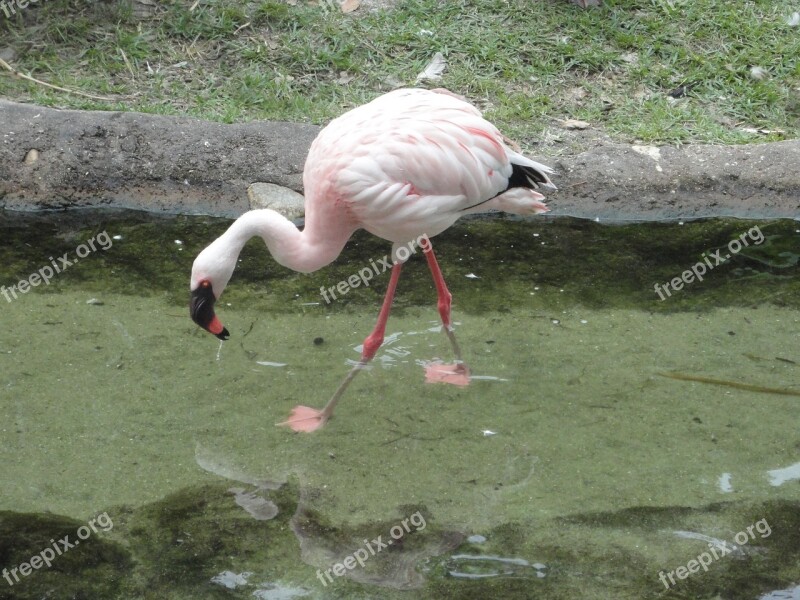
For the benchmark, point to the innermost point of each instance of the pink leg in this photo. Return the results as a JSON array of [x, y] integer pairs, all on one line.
[[457, 374], [304, 418], [375, 339], [445, 297]]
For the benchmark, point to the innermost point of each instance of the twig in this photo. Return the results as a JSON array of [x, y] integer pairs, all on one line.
[[572, 185], [16, 73], [238, 29], [734, 384]]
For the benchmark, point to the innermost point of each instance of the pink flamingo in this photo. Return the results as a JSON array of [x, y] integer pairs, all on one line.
[[405, 166]]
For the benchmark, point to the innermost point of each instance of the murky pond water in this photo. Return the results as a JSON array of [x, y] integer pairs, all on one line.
[[611, 444]]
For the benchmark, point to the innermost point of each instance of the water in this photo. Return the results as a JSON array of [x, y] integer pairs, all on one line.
[[572, 466]]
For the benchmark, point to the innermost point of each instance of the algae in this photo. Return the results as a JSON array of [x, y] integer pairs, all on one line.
[[568, 451]]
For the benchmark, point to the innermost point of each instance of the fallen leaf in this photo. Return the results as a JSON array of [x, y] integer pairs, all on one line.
[[345, 78], [794, 20], [575, 124], [349, 6], [577, 93], [434, 70], [144, 8], [762, 131], [681, 90], [393, 83], [607, 104]]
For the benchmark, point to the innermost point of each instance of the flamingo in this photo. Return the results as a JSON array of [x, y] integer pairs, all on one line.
[[404, 167]]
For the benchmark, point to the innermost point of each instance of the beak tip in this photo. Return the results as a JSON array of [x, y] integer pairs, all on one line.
[[223, 335]]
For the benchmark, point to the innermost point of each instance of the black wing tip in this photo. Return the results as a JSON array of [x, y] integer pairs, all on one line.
[[529, 177]]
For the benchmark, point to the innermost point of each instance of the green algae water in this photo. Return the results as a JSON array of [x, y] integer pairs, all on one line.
[[612, 444]]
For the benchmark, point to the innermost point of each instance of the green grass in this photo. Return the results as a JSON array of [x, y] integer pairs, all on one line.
[[527, 63]]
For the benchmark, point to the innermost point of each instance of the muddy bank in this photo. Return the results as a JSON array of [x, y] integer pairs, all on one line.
[[52, 159], [147, 162]]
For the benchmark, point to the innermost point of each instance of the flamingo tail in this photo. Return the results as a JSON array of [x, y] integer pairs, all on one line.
[[529, 174]]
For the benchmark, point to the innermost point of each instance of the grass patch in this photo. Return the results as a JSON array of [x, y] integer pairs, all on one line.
[[527, 63]]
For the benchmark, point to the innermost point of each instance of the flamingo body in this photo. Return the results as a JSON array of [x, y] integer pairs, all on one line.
[[410, 162], [404, 166]]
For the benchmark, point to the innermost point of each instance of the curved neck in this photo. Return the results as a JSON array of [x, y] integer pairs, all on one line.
[[304, 251]]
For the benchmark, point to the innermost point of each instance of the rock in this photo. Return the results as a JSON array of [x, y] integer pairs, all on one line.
[[280, 199], [8, 54], [32, 156]]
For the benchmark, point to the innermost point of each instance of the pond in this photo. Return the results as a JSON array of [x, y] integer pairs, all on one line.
[[616, 441]]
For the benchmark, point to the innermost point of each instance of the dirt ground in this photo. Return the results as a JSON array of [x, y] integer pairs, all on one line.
[[55, 159]]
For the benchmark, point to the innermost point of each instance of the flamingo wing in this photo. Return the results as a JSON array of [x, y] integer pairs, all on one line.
[[413, 161]]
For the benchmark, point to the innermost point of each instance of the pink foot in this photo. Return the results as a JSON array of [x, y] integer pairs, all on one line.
[[457, 374], [304, 418]]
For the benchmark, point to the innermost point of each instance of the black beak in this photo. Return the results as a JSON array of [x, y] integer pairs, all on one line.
[[201, 308]]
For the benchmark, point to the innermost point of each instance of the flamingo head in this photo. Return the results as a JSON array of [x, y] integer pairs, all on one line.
[[210, 275]]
